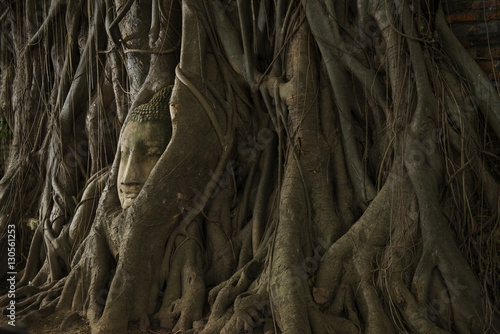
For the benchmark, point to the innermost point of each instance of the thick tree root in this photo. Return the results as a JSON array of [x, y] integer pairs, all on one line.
[[184, 297], [343, 282], [86, 286], [251, 310], [223, 296]]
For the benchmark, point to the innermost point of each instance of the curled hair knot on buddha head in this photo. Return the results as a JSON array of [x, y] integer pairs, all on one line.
[[156, 110]]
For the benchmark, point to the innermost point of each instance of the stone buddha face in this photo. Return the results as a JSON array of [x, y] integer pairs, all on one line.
[[145, 136]]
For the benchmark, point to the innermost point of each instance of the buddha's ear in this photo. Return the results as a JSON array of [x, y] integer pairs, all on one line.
[[173, 111]]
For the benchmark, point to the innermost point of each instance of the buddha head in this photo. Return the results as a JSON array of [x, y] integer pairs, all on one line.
[[146, 133]]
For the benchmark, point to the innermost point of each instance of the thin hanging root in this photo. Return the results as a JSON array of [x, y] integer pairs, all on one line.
[[85, 77], [53, 11], [112, 26], [206, 107], [118, 84], [489, 185], [154, 30], [363, 186], [483, 90]]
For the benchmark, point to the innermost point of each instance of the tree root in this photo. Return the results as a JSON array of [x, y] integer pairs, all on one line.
[[184, 297], [225, 294], [34, 302], [85, 289], [462, 291], [222, 252], [42, 312], [406, 303], [483, 90], [328, 323], [251, 309], [343, 282], [397, 263]]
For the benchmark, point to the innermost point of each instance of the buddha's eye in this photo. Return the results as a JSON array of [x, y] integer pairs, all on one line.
[[153, 152]]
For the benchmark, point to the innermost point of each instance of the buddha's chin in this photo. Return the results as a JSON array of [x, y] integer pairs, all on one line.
[[127, 202]]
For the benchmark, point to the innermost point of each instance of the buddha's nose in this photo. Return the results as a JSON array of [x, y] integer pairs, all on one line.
[[132, 170]]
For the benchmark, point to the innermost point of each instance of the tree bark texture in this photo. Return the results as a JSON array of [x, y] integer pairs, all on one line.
[[332, 167]]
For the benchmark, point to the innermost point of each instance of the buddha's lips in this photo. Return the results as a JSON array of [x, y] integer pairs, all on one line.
[[130, 190]]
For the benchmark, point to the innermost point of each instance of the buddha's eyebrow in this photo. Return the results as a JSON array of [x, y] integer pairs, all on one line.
[[154, 144]]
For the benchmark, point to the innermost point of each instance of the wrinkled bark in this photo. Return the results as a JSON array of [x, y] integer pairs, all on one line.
[[331, 167]]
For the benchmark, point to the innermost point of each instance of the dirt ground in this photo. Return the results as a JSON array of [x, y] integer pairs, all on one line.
[[52, 325]]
